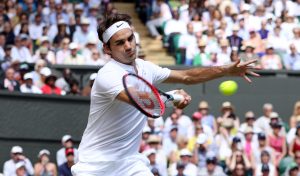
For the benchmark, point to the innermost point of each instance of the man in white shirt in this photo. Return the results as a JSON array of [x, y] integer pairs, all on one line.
[[20, 52], [111, 140], [10, 166], [263, 122], [36, 28], [60, 154], [27, 86]]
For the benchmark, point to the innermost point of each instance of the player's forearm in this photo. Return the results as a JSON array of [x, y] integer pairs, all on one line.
[[198, 75]]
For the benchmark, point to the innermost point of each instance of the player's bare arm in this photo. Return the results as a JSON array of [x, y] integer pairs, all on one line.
[[203, 74]]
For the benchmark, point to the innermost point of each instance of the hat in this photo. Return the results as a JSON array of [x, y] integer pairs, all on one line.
[[73, 45], [8, 47], [265, 168], [149, 152], [92, 40], [16, 149], [211, 157], [28, 76], [226, 104], [201, 139], [201, 42], [249, 115], [236, 139], [185, 152], [43, 50], [45, 71], [93, 76], [236, 28], [203, 105], [20, 164], [61, 22], [248, 130], [292, 166], [274, 115], [69, 151], [245, 7], [44, 152], [153, 139], [78, 7], [248, 45], [276, 125], [65, 138], [24, 37], [85, 21], [197, 115], [224, 42], [44, 39], [173, 127], [146, 129], [261, 136]]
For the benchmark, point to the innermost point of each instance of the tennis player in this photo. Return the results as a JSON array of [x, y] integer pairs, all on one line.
[[110, 143]]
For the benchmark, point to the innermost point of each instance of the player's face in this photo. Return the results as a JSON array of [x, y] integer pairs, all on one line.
[[122, 46]]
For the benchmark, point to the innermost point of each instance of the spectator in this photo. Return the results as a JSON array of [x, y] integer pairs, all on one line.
[[82, 35], [87, 89], [295, 118], [162, 14], [20, 52], [207, 118], [18, 160], [234, 39], [238, 157], [185, 158], [263, 122], [228, 116], [9, 82], [36, 28], [175, 123], [27, 86], [64, 82], [211, 169], [62, 33], [145, 136], [294, 146], [188, 42], [74, 88], [87, 50], [278, 40], [262, 146], [248, 53], [20, 169], [49, 86], [40, 72], [277, 142], [202, 58], [75, 58], [224, 54], [2, 46], [265, 166], [45, 43], [44, 166], [65, 168], [249, 143], [96, 59], [44, 54], [63, 51], [201, 150], [292, 170], [263, 32], [151, 155], [296, 38], [183, 120], [271, 60], [7, 59], [292, 59], [8, 32], [239, 170], [169, 144], [67, 142], [249, 122]]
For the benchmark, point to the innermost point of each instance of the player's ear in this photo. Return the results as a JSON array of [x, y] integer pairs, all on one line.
[[106, 49]]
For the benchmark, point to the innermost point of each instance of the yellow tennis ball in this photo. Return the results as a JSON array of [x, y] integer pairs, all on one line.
[[228, 87]]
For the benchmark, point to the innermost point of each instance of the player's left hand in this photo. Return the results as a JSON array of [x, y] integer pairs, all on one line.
[[242, 69], [185, 101]]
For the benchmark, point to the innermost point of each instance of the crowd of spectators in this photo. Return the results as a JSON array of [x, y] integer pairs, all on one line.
[[198, 144], [215, 32]]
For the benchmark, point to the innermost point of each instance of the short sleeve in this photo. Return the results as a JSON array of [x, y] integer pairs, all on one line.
[[159, 74]]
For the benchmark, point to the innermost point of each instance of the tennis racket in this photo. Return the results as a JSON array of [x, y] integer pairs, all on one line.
[[146, 97]]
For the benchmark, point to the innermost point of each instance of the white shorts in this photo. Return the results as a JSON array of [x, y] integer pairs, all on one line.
[[136, 165]]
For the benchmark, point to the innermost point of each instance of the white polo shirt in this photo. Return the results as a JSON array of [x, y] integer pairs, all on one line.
[[114, 127]]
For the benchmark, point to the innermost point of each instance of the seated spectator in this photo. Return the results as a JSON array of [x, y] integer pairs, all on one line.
[[19, 51], [63, 52], [74, 88], [17, 159], [228, 115], [161, 14], [45, 43], [238, 157], [64, 82], [224, 54], [263, 122], [169, 142], [75, 58], [257, 42], [67, 142], [211, 169], [175, 123], [62, 33], [7, 59], [188, 42], [295, 118], [207, 118], [239, 170], [248, 53], [234, 55], [27, 86], [262, 146], [9, 82], [266, 166], [2, 46], [87, 49], [44, 166], [44, 54], [83, 34], [145, 136], [151, 155], [96, 58], [249, 143], [294, 146], [277, 142], [271, 60], [202, 58], [263, 32], [20, 169], [291, 59], [65, 168], [87, 89], [278, 40], [234, 39], [296, 39], [49, 86], [249, 122], [185, 158]]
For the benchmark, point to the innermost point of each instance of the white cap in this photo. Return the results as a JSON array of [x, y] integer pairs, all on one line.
[[65, 138], [201, 138], [45, 71], [146, 129], [44, 38], [92, 40], [73, 45], [28, 76], [16, 149], [78, 7], [93, 76], [20, 164], [43, 152], [148, 152], [274, 115], [185, 152], [84, 21]]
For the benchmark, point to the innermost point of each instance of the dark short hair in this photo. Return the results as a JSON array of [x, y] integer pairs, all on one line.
[[110, 20]]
